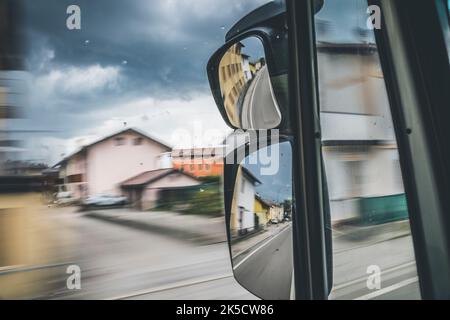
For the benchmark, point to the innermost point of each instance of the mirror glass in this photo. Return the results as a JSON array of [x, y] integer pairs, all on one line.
[[260, 223], [246, 87]]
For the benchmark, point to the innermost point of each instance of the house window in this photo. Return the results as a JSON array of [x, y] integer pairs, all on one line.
[[192, 168], [243, 185], [207, 167], [119, 141], [235, 93], [224, 76], [200, 167], [230, 97], [138, 141]]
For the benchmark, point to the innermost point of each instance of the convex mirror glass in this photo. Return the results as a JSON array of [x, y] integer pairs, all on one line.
[[260, 223], [246, 87]]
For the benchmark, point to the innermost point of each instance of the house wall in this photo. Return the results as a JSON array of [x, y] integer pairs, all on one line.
[[232, 78], [246, 69], [174, 180], [262, 211], [246, 200], [276, 213], [199, 162], [75, 166], [355, 107], [353, 174], [354, 83], [110, 164]]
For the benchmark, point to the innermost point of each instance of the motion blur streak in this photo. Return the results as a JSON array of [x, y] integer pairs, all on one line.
[[24, 236], [146, 220]]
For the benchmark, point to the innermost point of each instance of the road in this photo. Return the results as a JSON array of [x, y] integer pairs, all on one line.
[[395, 259], [119, 262], [267, 269], [259, 108]]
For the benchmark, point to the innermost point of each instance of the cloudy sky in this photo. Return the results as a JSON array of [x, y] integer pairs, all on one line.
[[137, 61]]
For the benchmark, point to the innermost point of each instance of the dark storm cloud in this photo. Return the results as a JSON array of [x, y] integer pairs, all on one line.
[[136, 55], [165, 44], [156, 48]]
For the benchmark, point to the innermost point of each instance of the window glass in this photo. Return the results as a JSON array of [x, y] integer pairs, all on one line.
[[373, 253], [75, 75]]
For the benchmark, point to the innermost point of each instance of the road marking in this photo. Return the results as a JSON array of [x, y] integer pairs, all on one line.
[[251, 99], [27, 268], [175, 285], [394, 287], [363, 279], [292, 295], [275, 102], [259, 248], [368, 244]]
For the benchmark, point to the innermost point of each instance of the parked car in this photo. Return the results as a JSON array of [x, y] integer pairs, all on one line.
[[105, 200], [274, 221], [65, 198]]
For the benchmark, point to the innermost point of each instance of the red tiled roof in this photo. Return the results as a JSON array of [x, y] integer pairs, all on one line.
[[150, 176], [146, 177]]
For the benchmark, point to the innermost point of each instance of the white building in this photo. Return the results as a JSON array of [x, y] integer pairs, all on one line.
[[243, 211], [101, 167], [360, 151], [246, 67]]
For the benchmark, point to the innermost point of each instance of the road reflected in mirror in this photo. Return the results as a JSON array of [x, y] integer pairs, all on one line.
[[260, 224], [246, 87]]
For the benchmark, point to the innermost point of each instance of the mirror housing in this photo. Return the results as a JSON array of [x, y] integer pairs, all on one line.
[[268, 24]]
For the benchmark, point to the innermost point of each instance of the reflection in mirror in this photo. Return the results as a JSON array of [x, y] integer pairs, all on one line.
[[260, 223], [246, 87]]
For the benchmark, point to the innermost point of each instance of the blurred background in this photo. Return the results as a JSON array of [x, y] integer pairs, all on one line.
[[111, 152]]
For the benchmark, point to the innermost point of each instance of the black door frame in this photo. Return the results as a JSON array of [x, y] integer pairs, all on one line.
[[415, 63], [310, 258], [414, 60]]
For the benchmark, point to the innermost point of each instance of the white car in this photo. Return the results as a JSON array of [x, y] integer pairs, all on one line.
[[274, 221], [64, 198], [104, 200]]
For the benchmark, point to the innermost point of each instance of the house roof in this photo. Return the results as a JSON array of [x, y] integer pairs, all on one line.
[[133, 130], [150, 176], [263, 202], [250, 175]]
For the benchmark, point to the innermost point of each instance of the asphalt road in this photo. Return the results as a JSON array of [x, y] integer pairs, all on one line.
[[395, 260], [119, 262], [267, 269], [259, 109]]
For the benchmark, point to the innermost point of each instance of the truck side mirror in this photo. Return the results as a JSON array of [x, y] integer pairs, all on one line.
[[259, 221], [248, 77], [243, 82]]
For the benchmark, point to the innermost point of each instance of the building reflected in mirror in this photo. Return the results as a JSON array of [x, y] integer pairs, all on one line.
[[260, 224], [246, 88]]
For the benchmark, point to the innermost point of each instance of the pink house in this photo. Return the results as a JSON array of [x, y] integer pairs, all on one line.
[[101, 167]]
